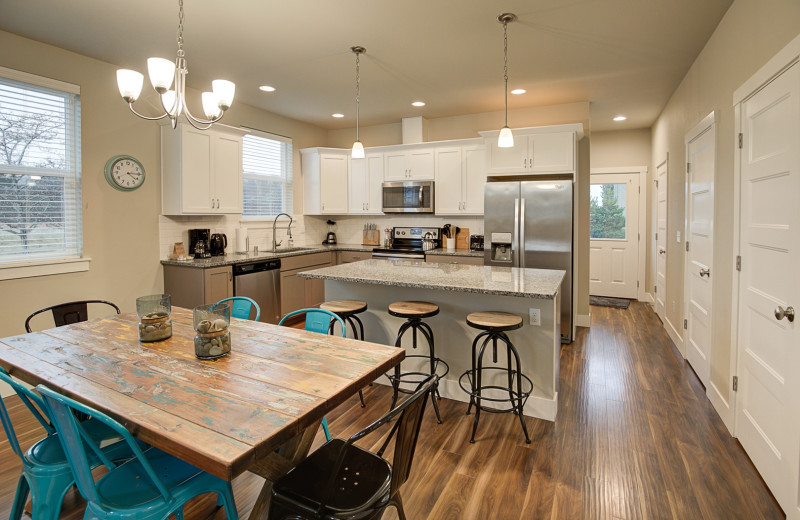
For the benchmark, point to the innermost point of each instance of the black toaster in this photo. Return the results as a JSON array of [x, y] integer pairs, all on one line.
[[476, 242]]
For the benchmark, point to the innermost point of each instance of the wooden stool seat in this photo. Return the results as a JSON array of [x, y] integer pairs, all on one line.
[[494, 320], [344, 306], [413, 309]]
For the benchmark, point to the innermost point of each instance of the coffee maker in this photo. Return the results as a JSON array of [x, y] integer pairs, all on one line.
[[330, 238], [199, 244]]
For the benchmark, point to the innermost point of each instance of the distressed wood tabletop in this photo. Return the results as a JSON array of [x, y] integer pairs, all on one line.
[[225, 415]]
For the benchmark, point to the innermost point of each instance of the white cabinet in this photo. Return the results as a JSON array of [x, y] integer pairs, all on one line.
[[364, 185], [201, 170], [325, 172], [409, 163], [542, 151], [460, 179]]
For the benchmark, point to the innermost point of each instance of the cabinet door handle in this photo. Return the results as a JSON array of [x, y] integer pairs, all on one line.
[[525, 162]]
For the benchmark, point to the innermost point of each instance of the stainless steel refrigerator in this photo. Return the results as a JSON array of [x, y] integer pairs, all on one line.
[[528, 223]]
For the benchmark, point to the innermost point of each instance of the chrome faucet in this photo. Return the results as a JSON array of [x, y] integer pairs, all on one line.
[[288, 230]]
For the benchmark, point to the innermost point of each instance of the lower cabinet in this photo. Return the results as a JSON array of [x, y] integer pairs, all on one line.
[[192, 286], [346, 257], [451, 259], [301, 293]]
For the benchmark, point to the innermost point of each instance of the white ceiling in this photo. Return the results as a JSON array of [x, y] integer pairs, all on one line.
[[623, 56]]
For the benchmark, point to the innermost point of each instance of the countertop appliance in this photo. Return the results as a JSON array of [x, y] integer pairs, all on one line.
[[408, 197], [199, 245], [260, 281], [409, 243], [528, 223], [219, 241], [476, 242], [330, 238]]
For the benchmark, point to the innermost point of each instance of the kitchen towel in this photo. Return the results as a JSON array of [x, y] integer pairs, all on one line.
[[241, 239]]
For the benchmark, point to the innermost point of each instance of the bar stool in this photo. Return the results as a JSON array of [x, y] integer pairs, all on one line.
[[347, 310], [414, 312], [494, 326]]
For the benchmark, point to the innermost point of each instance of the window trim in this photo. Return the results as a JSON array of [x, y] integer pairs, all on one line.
[[244, 219], [12, 270]]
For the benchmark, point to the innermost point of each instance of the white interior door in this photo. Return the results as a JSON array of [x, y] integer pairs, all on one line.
[[700, 158], [661, 240], [768, 370], [614, 232]]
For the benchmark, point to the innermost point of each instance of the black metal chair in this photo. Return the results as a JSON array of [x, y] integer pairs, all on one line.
[[342, 480], [68, 313]]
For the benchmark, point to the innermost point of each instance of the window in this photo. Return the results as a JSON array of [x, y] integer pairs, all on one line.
[[267, 175], [607, 217], [40, 191]]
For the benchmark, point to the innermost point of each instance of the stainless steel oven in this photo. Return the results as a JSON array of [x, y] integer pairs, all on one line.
[[408, 197], [408, 243]]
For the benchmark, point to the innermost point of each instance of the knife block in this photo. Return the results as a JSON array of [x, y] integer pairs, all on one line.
[[371, 237]]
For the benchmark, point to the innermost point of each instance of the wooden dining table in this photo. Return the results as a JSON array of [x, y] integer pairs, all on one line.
[[226, 415]]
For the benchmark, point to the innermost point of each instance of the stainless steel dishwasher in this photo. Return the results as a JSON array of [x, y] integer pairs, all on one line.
[[261, 282]]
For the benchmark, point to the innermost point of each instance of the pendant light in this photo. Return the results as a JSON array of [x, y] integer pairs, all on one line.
[[506, 138], [163, 73], [358, 148]]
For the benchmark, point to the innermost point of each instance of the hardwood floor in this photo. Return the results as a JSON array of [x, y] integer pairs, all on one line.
[[635, 438]]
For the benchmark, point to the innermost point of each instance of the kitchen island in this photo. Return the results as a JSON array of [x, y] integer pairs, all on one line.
[[459, 290]]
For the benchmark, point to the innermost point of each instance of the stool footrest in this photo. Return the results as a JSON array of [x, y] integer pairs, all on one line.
[[468, 386], [414, 378]]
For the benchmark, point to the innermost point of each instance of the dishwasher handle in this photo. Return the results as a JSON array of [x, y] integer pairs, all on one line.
[[256, 267]]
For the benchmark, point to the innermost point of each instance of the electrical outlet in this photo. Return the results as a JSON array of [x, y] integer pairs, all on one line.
[[535, 316], [678, 237]]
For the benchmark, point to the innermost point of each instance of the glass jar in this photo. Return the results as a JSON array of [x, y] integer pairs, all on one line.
[[155, 323], [212, 339]]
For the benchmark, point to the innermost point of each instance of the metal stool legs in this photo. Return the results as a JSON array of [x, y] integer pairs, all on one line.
[[349, 320]]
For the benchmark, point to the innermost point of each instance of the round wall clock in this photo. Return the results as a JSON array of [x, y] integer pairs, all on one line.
[[124, 173]]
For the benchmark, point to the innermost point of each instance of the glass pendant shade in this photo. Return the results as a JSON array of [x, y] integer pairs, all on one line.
[[211, 105], [161, 72], [169, 99], [224, 91], [358, 150], [129, 83], [506, 138]]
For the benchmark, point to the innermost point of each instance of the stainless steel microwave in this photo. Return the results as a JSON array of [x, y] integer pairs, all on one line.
[[408, 197]]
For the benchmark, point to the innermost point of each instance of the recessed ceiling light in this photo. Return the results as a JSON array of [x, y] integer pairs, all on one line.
[[620, 118], [337, 115], [418, 103], [518, 91], [266, 88]]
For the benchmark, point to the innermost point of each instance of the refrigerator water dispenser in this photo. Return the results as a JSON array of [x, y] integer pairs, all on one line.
[[501, 247]]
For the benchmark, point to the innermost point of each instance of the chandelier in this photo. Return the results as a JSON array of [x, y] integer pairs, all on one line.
[[163, 73], [506, 138]]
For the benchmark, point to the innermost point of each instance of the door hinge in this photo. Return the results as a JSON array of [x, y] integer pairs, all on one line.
[[638, 236], [741, 140], [736, 381], [685, 324], [687, 245], [637, 284], [656, 183], [656, 236], [655, 288], [738, 262], [688, 165], [639, 189]]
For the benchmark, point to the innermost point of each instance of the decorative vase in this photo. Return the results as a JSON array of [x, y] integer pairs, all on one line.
[[154, 311], [212, 339]]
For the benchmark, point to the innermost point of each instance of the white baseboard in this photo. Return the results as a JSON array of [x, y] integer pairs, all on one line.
[[676, 336], [721, 405], [583, 320], [539, 407], [647, 298]]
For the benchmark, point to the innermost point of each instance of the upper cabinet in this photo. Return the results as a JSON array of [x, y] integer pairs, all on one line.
[[325, 172], [460, 179], [201, 170], [535, 150], [364, 184], [409, 163]]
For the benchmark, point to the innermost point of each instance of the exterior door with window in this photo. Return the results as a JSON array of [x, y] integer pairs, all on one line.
[[614, 235], [768, 399]]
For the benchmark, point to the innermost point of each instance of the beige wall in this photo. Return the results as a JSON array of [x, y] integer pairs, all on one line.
[[751, 32], [120, 230]]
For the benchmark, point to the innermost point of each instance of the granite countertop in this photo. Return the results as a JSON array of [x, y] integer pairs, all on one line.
[[243, 258], [503, 281], [440, 251]]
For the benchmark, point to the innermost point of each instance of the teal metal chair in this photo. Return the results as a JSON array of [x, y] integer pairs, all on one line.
[[46, 475], [241, 307], [151, 485], [318, 320]]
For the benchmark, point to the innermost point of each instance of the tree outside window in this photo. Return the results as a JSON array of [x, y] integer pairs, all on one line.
[[606, 214]]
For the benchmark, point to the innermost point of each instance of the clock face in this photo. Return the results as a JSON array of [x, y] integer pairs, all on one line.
[[124, 173]]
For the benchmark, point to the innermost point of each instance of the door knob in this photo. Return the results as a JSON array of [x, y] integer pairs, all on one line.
[[787, 313], [705, 272], [661, 251]]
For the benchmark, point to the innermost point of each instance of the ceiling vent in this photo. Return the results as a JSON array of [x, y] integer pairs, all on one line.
[[415, 130]]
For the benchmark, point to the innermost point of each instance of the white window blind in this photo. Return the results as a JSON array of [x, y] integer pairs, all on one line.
[[40, 206], [267, 175]]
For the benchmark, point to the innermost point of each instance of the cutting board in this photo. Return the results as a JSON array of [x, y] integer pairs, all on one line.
[[462, 238]]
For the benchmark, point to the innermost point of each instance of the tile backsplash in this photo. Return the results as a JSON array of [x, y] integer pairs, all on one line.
[[306, 230]]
